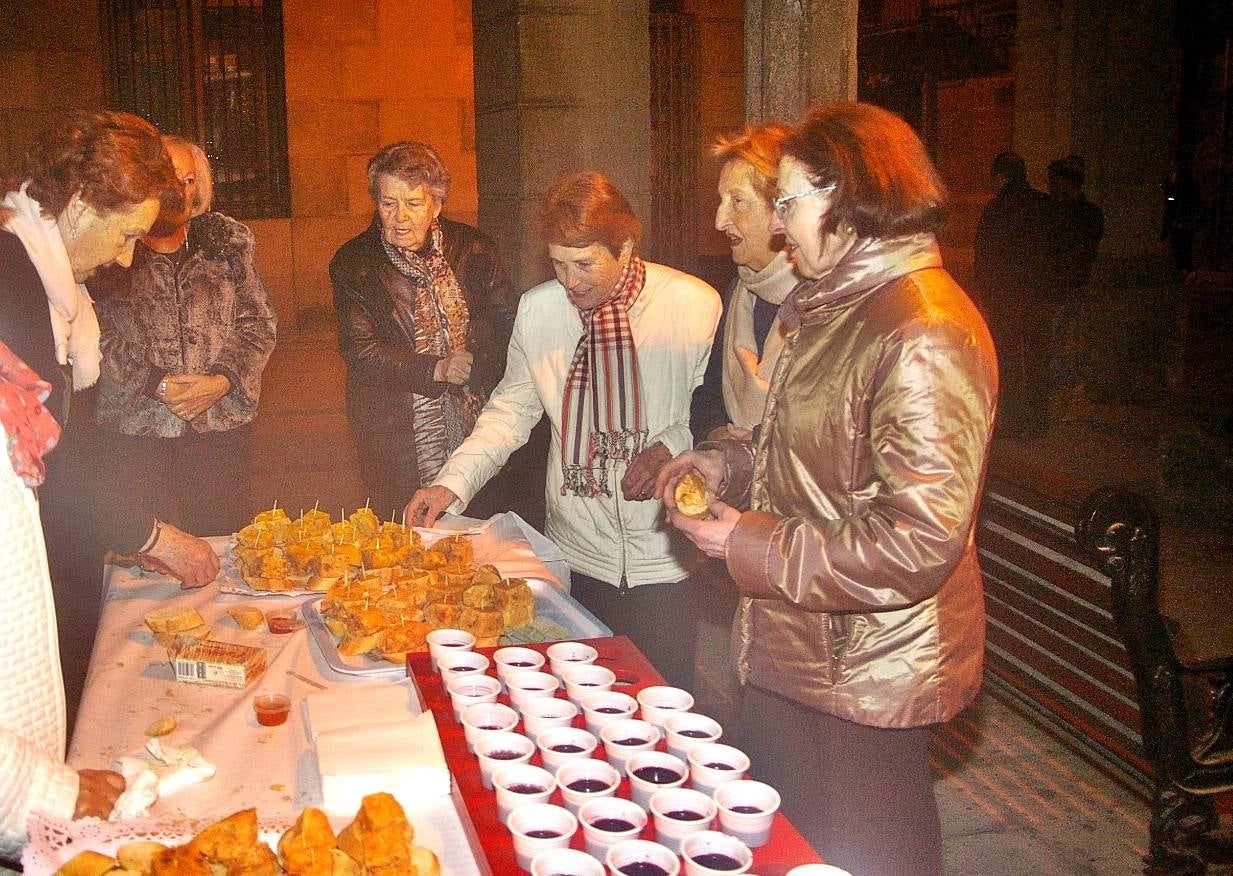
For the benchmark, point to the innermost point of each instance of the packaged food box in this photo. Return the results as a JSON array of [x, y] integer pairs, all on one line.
[[224, 664]]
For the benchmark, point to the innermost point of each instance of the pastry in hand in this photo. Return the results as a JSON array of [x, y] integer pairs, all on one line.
[[691, 496]]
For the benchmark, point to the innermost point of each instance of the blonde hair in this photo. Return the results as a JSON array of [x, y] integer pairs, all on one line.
[[759, 147], [203, 200]]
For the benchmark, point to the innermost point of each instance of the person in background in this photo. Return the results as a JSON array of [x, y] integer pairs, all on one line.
[[747, 343], [861, 621], [1080, 227], [424, 316], [186, 334], [611, 350], [33, 725], [1016, 275]]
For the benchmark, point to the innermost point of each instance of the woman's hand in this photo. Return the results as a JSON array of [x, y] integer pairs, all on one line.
[[190, 395], [638, 484], [185, 556], [427, 504], [454, 368], [710, 535], [97, 793], [708, 463]]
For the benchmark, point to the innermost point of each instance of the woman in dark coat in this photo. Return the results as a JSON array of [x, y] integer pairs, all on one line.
[[424, 315]]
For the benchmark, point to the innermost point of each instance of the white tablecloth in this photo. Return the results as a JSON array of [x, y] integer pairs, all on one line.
[[131, 683]]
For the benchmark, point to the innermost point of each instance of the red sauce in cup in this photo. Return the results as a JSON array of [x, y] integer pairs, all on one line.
[[271, 709]]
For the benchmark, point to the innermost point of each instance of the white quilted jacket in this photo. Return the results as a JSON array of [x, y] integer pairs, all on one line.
[[33, 774]]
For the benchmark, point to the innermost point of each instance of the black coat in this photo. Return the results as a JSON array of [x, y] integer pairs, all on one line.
[[383, 369]]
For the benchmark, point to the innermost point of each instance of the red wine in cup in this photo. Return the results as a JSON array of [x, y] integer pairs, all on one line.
[[745, 809], [567, 748], [642, 868], [613, 825], [657, 775], [718, 765], [695, 734], [684, 815], [504, 755], [525, 788], [541, 833], [587, 786], [717, 861], [630, 741]]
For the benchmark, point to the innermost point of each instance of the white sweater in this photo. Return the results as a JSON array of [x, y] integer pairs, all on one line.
[[673, 323], [33, 774]]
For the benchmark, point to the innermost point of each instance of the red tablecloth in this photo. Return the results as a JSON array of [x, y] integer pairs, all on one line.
[[786, 848]]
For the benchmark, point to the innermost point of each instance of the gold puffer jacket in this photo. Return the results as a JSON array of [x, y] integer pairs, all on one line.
[[861, 593]]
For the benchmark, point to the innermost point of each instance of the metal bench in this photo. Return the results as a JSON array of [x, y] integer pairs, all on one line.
[[1184, 686]]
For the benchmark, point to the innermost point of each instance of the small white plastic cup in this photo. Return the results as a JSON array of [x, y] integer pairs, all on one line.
[[501, 743], [600, 709], [713, 763], [563, 655], [480, 719], [565, 862], [515, 658], [637, 851], [678, 812], [593, 814], [594, 779], [542, 713], [559, 745], [817, 870], [659, 701], [696, 846], [583, 680], [467, 690], [529, 684], [537, 827], [626, 737], [651, 771], [736, 799], [521, 784], [455, 664], [688, 729], [447, 640]]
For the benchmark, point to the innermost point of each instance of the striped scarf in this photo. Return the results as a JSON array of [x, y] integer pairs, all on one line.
[[601, 413]]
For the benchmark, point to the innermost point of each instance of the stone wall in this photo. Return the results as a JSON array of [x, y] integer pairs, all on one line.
[[52, 60], [360, 74]]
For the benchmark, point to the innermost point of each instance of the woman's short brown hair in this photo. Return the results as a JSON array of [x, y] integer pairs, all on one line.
[[415, 163], [114, 159], [586, 208], [759, 147], [885, 185]]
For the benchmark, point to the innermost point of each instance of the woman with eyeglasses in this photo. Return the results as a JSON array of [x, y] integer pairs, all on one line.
[[861, 620]]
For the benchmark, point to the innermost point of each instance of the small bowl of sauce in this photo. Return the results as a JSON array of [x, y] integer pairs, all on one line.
[[271, 709], [284, 620]]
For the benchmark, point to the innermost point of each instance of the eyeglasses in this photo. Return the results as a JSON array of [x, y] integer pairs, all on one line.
[[781, 203]]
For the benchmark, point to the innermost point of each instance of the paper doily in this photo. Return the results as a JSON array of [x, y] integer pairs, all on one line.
[[53, 841]]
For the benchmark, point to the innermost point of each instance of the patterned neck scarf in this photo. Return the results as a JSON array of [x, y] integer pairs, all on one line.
[[441, 320], [30, 430], [601, 412]]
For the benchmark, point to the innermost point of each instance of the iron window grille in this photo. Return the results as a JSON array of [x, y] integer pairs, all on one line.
[[210, 71]]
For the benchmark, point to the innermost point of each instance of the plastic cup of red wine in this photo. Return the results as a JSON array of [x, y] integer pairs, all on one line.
[[466, 690], [746, 810], [651, 771], [520, 785], [481, 718], [608, 821], [586, 779], [565, 862], [559, 745], [501, 749], [713, 763], [678, 812], [711, 853], [601, 709], [686, 729], [627, 737], [537, 827], [641, 858]]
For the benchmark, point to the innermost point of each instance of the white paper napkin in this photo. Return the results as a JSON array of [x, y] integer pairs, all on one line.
[[346, 705], [404, 759], [166, 771]]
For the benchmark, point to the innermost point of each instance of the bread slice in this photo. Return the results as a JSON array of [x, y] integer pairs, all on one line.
[[247, 617], [172, 619]]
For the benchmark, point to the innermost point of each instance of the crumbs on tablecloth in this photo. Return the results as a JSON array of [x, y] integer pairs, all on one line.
[[277, 786]]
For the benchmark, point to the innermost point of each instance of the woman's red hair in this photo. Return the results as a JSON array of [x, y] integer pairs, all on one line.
[[586, 208]]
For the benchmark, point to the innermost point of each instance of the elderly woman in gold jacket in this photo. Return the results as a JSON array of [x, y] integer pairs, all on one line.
[[861, 623]]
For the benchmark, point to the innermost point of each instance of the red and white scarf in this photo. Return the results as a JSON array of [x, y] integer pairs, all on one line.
[[601, 413]]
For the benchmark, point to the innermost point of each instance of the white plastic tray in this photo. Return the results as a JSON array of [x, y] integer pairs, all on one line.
[[555, 612]]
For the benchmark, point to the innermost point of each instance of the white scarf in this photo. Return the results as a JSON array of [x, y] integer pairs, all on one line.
[[73, 321], [746, 375]]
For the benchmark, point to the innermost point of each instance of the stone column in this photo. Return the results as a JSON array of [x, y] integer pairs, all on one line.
[[558, 88], [798, 53]]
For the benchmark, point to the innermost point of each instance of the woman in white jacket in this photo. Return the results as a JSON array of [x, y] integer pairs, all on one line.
[[33, 774], [611, 351]]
